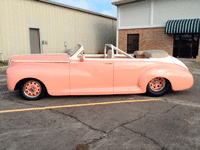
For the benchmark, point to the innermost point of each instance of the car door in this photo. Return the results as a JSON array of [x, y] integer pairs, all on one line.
[[91, 76], [126, 75]]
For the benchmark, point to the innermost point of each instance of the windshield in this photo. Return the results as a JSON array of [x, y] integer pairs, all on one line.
[[71, 52]]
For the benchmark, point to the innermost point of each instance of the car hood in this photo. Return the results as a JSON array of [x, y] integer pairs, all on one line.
[[41, 57]]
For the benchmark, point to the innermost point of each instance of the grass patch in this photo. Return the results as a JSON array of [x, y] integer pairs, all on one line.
[[3, 63]]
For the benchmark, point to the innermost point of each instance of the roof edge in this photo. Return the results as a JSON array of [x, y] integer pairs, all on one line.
[[77, 9], [123, 2]]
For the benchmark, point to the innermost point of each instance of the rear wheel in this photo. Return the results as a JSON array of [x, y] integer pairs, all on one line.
[[31, 89], [158, 86]]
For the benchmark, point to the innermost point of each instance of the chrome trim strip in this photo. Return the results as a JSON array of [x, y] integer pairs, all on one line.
[[19, 61]]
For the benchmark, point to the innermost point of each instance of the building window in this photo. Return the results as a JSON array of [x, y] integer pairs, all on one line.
[[132, 43]]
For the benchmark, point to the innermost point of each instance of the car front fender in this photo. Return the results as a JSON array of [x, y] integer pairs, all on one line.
[[55, 78]]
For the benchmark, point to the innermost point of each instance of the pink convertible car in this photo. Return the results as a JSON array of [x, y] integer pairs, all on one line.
[[114, 72]]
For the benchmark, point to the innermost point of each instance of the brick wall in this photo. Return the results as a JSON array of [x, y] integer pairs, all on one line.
[[149, 39]]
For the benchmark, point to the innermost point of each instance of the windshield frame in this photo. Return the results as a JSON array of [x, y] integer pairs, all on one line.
[[75, 55], [117, 51]]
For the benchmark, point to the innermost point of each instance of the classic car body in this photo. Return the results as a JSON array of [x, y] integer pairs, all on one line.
[[114, 72]]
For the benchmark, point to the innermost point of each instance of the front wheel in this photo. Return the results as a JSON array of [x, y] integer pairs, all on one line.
[[31, 89], [158, 86]]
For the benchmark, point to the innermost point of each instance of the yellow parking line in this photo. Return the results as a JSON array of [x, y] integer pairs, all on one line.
[[78, 105]]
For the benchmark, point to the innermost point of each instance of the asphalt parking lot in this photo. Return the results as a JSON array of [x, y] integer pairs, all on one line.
[[115, 122]]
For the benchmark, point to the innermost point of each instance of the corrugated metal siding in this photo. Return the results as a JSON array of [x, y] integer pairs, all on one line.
[[95, 30], [56, 24], [1, 12]]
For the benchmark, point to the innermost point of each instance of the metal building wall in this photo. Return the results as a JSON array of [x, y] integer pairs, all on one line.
[[1, 34], [57, 25], [155, 13]]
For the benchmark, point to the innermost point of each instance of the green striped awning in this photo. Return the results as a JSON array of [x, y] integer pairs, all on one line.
[[182, 26]]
